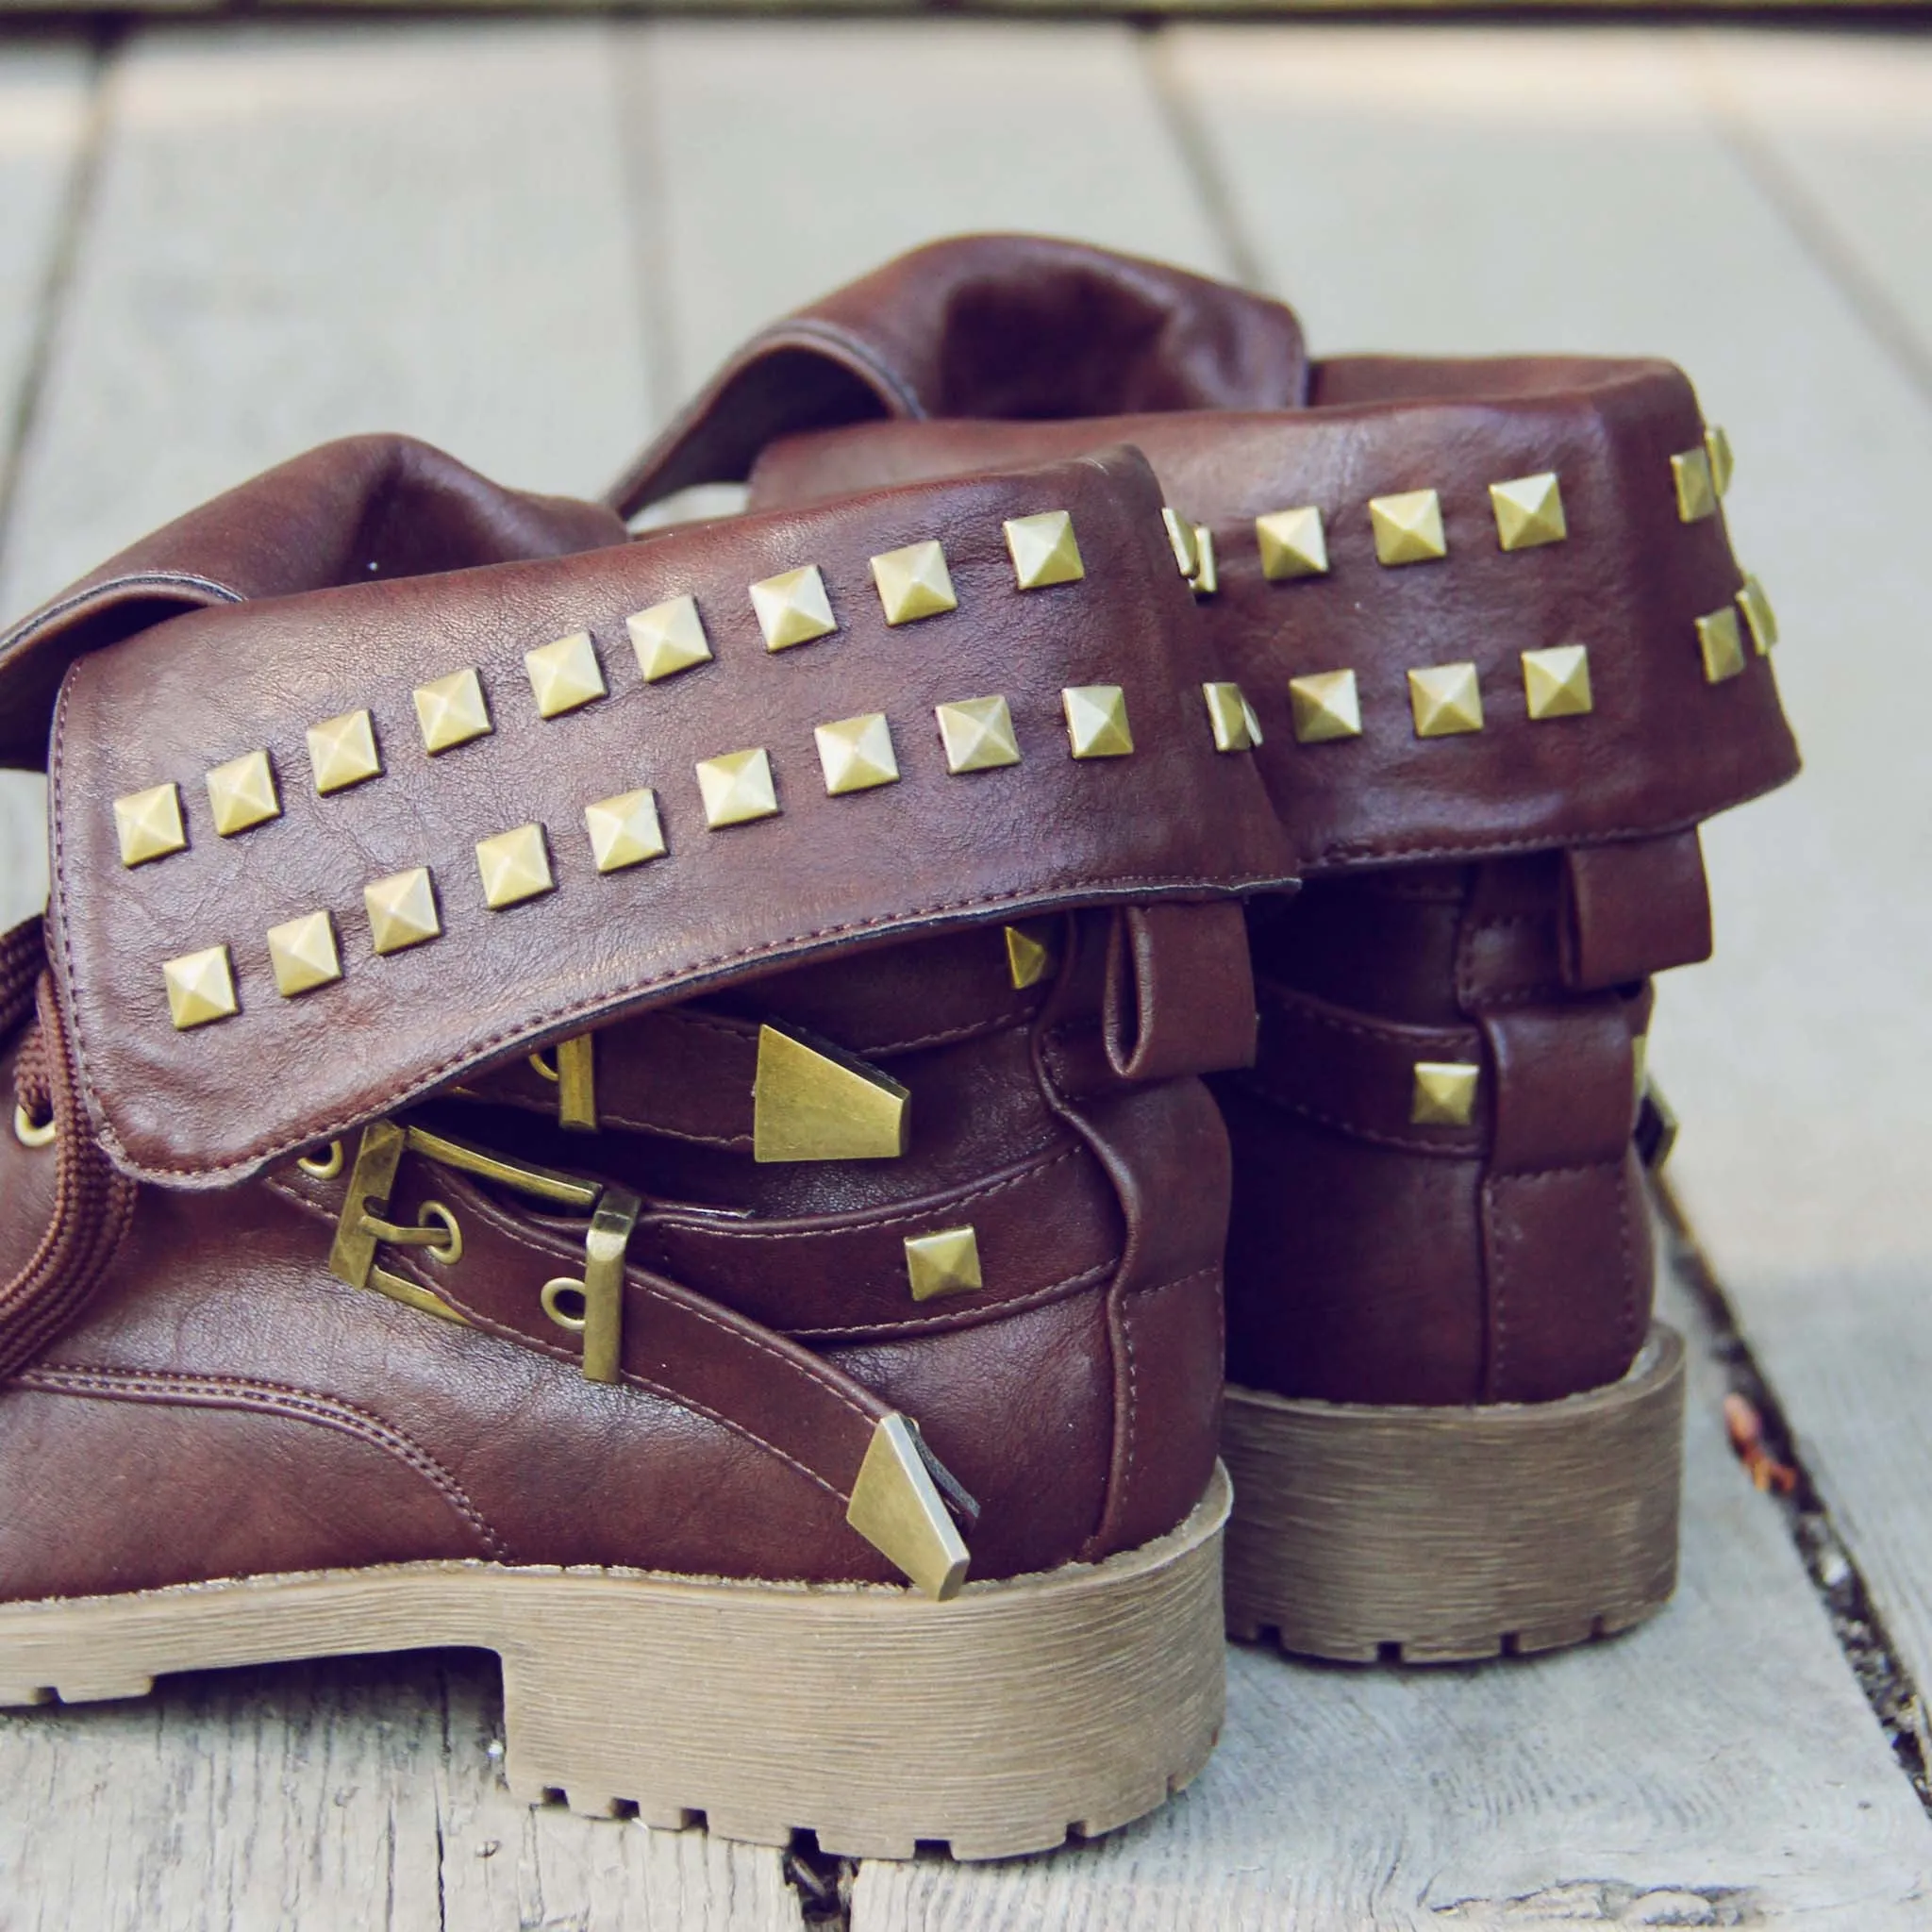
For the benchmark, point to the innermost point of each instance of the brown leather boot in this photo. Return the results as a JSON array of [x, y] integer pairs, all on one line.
[[1490, 635], [633, 1105]]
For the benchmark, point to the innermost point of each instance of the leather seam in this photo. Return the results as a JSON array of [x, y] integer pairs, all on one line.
[[277, 1399], [1303, 1007], [1405, 1143], [1033, 1298], [258, 1153]]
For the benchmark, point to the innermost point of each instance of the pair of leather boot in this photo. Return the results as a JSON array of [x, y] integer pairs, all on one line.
[[640, 1103]]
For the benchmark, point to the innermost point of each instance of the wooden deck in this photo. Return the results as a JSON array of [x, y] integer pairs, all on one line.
[[524, 240]]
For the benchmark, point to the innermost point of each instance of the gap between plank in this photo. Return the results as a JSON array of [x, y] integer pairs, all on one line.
[[1861, 1631], [1184, 123], [77, 207]]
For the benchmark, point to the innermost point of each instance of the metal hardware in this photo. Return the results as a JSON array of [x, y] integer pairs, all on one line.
[[605, 1245], [1556, 682], [1695, 485], [668, 637], [241, 794], [1443, 1094], [342, 752], [913, 582], [793, 608], [322, 1167], [945, 1262], [624, 830], [977, 734], [1232, 718], [1722, 645], [515, 866], [1528, 511], [402, 910], [576, 1083], [897, 1507], [31, 1133], [148, 825], [201, 988], [1657, 1127], [1098, 723], [1446, 700], [812, 1101], [1180, 538], [566, 675], [1758, 614], [1328, 705], [452, 712], [1208, 578], [436, 1232], [1723, 465], [736, 788], [304, 955], [1045, 550], [1292, 543], [1408, 528], [552, 1298], [1030, 954], [856, 754]]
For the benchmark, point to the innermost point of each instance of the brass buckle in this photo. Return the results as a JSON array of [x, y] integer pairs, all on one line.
[[363, 1229]]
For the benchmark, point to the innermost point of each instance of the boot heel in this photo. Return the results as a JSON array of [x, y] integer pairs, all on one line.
[[1436, 1534], [997, 1723]]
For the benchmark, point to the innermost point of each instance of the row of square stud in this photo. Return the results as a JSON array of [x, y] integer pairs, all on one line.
[[793, 609]]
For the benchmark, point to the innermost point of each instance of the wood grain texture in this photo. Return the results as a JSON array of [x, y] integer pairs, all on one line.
[[44, 104], [1716, 1767], [790, 157], [305, 231]]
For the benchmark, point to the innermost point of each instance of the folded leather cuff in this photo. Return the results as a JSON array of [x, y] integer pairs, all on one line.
[[316, 856]]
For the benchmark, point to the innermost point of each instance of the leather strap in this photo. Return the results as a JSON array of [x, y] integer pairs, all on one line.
[[936, 850]]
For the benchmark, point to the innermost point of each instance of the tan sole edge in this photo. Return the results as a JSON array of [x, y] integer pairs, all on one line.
[[1439, 1534], [1070, 1702]]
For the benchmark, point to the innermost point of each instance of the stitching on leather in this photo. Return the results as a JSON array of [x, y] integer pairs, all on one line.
[[1230, 885], [1533, 1174], [1033, 1172], [1390, 1033], [975, 1318], [1471, 1150], [252, 1395], [147, 580], [1498, 1298]]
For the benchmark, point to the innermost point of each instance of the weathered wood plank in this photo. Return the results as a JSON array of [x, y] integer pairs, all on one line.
[[305, 231], [1718, 1766], [45, 87], [792, 157]]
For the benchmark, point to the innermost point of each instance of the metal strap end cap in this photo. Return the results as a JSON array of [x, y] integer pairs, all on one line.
[[897, 1507]]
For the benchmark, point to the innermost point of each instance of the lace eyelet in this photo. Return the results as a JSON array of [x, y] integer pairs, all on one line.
[[31, 1133]]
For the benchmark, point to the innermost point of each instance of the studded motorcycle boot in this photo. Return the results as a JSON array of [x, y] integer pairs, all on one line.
[[634, 1105], [1498, 662]]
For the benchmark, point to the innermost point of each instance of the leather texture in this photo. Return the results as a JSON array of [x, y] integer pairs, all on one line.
[[192, 1393], [1492, 898]]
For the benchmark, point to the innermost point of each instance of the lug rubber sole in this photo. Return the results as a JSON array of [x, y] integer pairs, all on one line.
[[1022, 1711], [1363, 1533]]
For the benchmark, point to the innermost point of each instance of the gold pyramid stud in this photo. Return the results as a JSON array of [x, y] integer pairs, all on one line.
[[897, 1507], [303, 954], [1293, 543], [1723, 465], [1529, 511], [1722, 645], [856, 754], [1758, 614], [148, 825], [452, 712], [1045, 550], [1208, 578], [977, 734], [1443, 1094], [1230, 718], [201, 988], [515, 866], [668, 637], [402, 910], [624, 830], [736, 788], [1030, 954], [1181, 540], [913, 582], [342, 752], [1408, 528], [793, 608], [942, 1263], [1695, 485], [566, 675], [241, 794], [814, 1101], [1446, 700], [1556, 682], [1098, 723], [1326, 706]]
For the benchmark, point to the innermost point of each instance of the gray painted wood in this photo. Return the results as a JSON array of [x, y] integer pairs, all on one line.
[[44, 104], [305, 231], [792, 157], [1718, 1766]]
